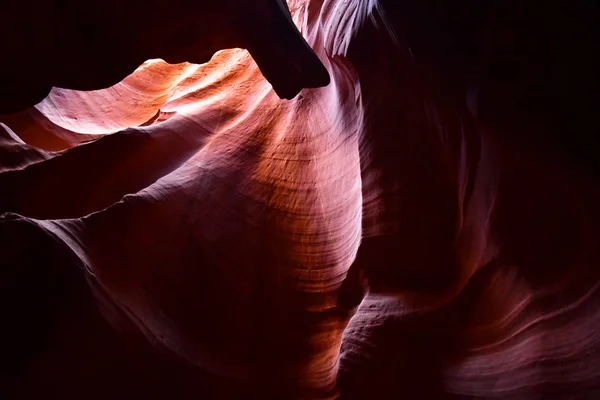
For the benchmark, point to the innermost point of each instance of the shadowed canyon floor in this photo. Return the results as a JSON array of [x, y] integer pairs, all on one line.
[[186, 233]]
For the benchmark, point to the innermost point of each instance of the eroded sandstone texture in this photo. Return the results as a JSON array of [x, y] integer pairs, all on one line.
[[407, 231]]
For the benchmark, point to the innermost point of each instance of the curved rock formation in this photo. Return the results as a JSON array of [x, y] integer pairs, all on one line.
[[187, 233], [96, 46]]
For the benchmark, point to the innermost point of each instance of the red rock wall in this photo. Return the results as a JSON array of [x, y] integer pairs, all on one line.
[[370, 239]]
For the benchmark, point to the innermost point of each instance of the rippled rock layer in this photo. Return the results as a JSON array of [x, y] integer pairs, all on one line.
[[187, 234]]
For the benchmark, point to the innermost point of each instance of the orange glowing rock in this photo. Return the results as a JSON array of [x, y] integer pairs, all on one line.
[[366, 239]]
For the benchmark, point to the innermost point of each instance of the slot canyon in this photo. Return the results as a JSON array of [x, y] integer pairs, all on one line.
[[324, 199]]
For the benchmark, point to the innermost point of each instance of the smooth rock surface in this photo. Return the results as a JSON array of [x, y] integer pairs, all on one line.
[[186, 233]]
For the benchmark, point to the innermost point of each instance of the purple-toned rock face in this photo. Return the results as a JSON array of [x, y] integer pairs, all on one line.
[[187, 233]]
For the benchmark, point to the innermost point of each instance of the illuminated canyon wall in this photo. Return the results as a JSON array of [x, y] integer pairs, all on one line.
[[186, 233]]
